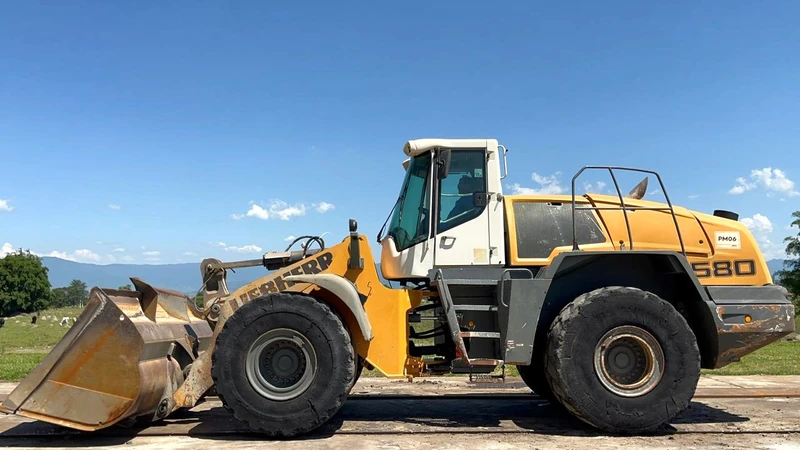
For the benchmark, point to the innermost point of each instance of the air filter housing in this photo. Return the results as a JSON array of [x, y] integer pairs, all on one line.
[[726, 214]]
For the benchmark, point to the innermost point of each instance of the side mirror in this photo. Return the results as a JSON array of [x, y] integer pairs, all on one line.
[[443, 163]]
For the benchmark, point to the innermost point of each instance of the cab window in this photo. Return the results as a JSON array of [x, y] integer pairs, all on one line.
[[409, 223], [466, 176]]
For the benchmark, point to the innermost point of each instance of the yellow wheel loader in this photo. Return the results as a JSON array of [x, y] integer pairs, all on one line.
[[609, 305]]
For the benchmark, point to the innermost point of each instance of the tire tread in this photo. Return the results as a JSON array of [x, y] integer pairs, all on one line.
[[252, 311], [555, 359]]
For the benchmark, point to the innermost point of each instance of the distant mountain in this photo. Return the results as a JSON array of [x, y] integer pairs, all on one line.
[[775, 265], [180, 277]]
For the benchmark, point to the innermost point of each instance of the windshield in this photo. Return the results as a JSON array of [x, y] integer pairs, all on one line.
[[409, 223]]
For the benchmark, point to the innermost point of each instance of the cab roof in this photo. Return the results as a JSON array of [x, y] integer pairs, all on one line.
[[419, 146]]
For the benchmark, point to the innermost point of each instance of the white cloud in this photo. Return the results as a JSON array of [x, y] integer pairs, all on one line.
[[547, 185], [119, 250], [277, 209], [289, 238], [285, 212], [693, 196], [771, 250], [761, 227], [86, 255], [596, 187], [758, 223], [189, 254], [245, 249], [254, 211], [741, 187], [114, 244], [81, 255], [656, 192], [4, 206], [323, 207], [151, 255], [6, 249], [231, 248], [516, 188], [113, 206], [774, 181], [128, 258]]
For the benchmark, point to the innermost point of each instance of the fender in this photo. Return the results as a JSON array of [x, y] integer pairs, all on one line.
[[345, 291], [667, 274]]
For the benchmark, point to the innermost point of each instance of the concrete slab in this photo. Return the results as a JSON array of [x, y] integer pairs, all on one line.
[[450, 412], [711, 382], [709, 386], [762, 381], [438, 422]]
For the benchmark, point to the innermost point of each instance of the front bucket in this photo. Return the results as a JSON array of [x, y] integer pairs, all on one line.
[[123, 358]]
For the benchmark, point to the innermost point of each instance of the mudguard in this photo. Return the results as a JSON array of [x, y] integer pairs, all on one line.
[[345, 291]]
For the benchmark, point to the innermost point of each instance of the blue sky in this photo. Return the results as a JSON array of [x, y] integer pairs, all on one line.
[[142, 131]]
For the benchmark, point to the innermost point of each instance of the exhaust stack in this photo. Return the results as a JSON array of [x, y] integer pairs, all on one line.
[[639, 190]]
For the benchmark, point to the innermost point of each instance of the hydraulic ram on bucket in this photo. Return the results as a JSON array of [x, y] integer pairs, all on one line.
[[123, 358]]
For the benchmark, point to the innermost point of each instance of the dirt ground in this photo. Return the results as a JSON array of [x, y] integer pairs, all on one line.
[[728, 412]]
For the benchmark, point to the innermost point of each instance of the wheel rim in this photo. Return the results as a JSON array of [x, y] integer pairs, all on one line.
[[281, 364], [629, 361]]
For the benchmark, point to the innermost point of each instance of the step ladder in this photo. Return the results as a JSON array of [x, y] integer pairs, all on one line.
[[458, 336]]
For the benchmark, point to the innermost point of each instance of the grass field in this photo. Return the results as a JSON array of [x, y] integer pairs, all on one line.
[[23, 346]]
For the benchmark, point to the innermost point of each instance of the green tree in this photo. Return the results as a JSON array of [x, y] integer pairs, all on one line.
[[60, 297], [77, 293], [790, 275], [198, 300], [24, 286], [126, 287]]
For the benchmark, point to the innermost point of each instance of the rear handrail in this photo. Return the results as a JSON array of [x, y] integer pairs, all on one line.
[[503, 278], [623, 206]]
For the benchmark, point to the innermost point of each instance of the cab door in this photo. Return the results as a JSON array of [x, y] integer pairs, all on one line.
[[463, 213]]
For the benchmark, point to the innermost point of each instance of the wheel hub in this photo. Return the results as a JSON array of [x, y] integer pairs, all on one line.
[[629, 361], [281, 364]]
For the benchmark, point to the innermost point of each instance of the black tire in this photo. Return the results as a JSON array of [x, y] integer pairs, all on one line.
[[236, 361], [535, 378], [576, 383], [359, 368], [358, 361]]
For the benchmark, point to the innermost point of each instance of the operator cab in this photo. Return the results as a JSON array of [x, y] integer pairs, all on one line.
[[449, 212]]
